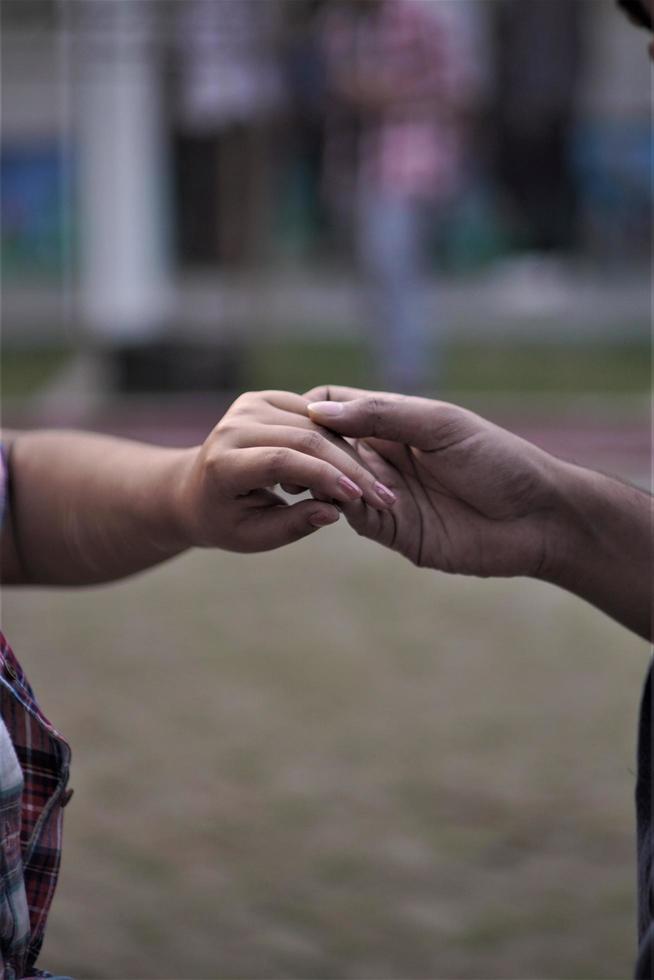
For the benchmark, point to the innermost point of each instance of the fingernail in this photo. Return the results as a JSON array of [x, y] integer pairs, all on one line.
[[385, 493], [322, 518], [351, 489], [326, 409]]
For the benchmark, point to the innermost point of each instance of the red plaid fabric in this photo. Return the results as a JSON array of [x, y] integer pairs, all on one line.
[[44, 759]]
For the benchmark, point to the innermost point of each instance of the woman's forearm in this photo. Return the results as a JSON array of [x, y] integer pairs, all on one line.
[[86, 508]]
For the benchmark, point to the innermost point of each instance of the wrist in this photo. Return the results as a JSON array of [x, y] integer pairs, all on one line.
[[570, 526], [601, 545], [183, 509]]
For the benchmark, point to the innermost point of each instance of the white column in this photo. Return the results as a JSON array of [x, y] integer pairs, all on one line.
[[124, 209]]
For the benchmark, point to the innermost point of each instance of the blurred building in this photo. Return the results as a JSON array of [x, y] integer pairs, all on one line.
[[159, 138], [37, 142], [228, 96]]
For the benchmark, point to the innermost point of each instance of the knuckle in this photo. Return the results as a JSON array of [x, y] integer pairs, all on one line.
[[216, 469], [242, 400], [321, 475], [377, 406], [278, 463], [247, 402], [226, 428], [375, 409], [312, 442], [326, 473], [451, 425]]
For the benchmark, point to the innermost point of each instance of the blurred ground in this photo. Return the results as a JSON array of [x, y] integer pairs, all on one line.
[[325, 763]]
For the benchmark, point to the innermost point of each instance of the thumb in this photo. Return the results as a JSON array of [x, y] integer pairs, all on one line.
[[397, 418], [267, 528]]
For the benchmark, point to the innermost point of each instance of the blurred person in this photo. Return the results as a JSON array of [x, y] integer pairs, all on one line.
[[230, 91], [397, 84], [81, 509]]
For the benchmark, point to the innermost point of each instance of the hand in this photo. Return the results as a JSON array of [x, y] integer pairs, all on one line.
[[472, 498], [225, 498]]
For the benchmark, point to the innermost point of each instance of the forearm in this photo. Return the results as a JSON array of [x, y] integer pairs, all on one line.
[[86, 509], [602, 546]]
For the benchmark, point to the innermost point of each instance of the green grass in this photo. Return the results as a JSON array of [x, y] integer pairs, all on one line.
[[468, 367], [550, 368], [491, 367], [25, 372]]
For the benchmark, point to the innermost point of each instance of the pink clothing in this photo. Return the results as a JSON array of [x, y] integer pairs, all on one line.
[[411, 145]]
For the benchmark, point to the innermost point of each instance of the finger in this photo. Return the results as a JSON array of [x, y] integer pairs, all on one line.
[[367, 522], [337, 393], [313, 443], [288, 408], [269, 466], [389, 466], [286, 401], [418, 422], [254, 431], [266, 528], [286, 412], [371, 450], [281, 407]]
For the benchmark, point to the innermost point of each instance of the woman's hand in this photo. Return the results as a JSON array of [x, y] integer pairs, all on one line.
[[86, 508], [265, 439]]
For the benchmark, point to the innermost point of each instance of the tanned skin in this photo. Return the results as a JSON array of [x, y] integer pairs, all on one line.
[[475, 499]]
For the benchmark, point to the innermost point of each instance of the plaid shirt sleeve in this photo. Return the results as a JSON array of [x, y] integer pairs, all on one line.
[[14, 914], [30, 855], [34, 766]]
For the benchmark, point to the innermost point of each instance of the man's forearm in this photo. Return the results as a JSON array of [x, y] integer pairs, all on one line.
[[602, 546], [87, 509]]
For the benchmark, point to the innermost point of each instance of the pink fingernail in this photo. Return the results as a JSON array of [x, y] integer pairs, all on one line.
[[351, 489], [385, 493]]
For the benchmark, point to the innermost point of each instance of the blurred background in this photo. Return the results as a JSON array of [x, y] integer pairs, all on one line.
[[322, 762]]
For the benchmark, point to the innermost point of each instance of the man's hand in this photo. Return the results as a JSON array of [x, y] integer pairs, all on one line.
[[472, 498], [476, 499], [265, 439]]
